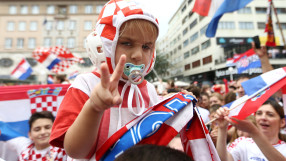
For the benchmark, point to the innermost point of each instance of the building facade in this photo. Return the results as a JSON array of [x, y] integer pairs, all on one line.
[[194, 57], [26, 25]]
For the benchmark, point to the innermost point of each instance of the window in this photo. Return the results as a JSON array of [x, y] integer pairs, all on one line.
[[246, 25], [194, 37], [203, 30], [187, 67], [193, 24], [186, 42], [20, 43], [88, 9], [189, 1], [195, 50], [33, 26], [13, 10], [73, 9], [281, 10], [22, 26], [59, 41], [184, 8], [50, 9], [226, 25], [206, 44], [24, 9], [60, 25], [185, 31], [196, 63], [72, 25], [185, 19], [260, 10], [179, 37], [244, 10], [261, 25], [98, 9], [10, 26], [31, 43], [49, 25], [62, 10], [71, 42], [207, 60], [35, 9], [283, 26], [47, 42], [87, 25], [186, 54], [8, 43]]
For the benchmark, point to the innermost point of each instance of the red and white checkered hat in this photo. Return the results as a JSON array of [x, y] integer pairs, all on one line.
[[112, 16]]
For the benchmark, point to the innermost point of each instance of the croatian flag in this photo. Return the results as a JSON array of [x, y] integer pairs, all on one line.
[[44, 56], [257, 91], [284, 99], [217, 8], [159, 125], [22, 71], [73, 75], [17, 103], [247, 60], [50, 79]]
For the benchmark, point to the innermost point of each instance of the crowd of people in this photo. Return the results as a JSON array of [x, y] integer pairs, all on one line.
[[99, 103]]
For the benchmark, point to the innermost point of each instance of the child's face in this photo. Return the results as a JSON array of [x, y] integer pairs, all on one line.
[[137, 47], [40, 133]]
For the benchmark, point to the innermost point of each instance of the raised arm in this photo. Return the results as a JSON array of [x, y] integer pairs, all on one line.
[[82, 135], [221, 114], [263, 56]]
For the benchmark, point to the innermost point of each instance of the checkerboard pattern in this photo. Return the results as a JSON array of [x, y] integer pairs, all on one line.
[[53, 153], [44, 103]]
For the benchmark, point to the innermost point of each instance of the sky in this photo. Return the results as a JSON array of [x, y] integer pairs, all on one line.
[[164, 10]]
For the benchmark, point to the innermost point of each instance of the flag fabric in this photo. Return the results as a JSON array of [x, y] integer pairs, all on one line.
[[257, 91], [50, 79], [73, 75], [206, 7], [60, 58], [247, 60], [23, 70], [17, 103], [159, 125], [225, 7], [269, 26], [284, 99]]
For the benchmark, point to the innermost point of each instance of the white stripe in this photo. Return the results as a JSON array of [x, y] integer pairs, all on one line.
[[48, 61], [273, 76], [200, 149], [238, 105], [215, 4]]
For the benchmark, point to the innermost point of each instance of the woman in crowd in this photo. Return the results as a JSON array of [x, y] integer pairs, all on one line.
[[264, 143]]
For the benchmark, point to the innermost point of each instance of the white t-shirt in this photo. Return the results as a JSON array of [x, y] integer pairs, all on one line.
[[245, 149]]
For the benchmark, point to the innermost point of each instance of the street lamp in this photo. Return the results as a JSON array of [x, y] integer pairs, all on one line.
[[230, 69]]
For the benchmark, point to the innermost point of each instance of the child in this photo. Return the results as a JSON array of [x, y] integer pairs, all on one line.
[[99, 103], [38, 147]]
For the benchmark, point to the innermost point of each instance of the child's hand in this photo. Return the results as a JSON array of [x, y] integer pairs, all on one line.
[[222, 115], [105, 94]]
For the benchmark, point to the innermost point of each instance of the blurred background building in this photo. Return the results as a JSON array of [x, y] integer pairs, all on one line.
[[194, 57], [26, 25]]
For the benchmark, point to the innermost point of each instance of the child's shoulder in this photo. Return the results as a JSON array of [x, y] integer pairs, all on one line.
[[86, 82]]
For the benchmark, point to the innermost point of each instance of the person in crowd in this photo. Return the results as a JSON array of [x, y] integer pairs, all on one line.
[[37, 146], [229, 97], [60, 79], [264, 142], [204, 101], [172, 88], [97, 104], [206, 89], [239, 89], [148, 152], [203, 112], [216, 98], [212, 127]]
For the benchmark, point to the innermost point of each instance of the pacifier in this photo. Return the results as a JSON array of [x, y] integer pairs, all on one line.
[[134, 73]]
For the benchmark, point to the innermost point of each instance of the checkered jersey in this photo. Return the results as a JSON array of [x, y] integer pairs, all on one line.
[[53, 153], [44, 103], [112, 16]]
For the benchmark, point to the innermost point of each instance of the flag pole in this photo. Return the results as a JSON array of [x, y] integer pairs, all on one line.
[[280, 28]]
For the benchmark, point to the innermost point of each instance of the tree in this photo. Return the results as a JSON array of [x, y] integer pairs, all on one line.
[[161, 67]]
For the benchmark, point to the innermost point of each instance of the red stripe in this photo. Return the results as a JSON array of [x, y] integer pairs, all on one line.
[[108, 60], [202, 7], [21, 63]]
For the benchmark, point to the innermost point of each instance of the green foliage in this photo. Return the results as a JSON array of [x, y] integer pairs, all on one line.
[[161, 66]]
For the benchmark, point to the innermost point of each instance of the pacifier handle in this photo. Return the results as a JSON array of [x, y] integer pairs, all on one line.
[[135, 74]]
